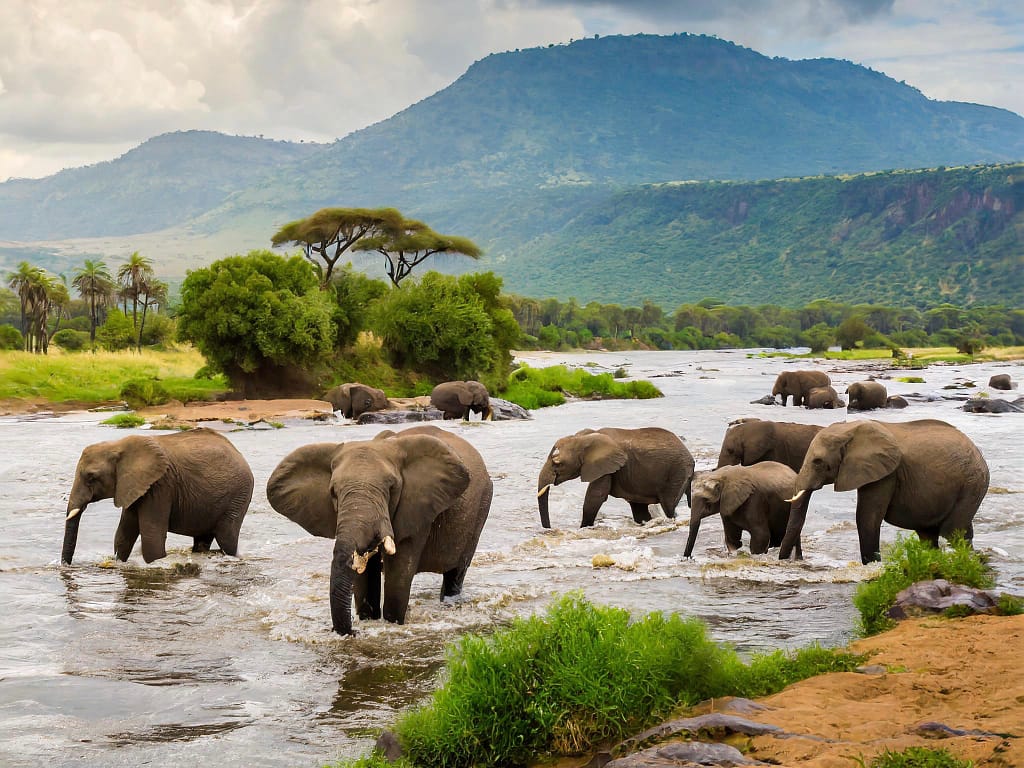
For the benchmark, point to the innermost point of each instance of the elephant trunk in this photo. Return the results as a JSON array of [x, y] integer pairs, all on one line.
[[341, 587], [544, 483], [67, 552], [797, 515], [698, 511]]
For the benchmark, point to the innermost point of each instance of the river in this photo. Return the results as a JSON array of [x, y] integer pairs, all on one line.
[[213, 660]]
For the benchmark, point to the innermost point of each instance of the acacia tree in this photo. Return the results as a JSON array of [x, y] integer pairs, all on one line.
[[330, 232], [93, 282], [405, 243]]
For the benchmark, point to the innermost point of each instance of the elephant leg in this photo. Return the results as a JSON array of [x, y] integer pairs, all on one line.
[[928, 536], [872, 504], [668, 506], [641, 512], [202, 543], [759, 541], [397, 586], [451, 584], [733, 535], [126, 535], [366, 589], [597, 494], [226, 533]]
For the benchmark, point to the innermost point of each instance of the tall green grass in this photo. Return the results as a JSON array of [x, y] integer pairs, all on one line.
[[534, 388], [579, 676], [916, 757], [908, 560]]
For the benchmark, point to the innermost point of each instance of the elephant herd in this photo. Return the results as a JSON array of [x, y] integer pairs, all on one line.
[[454, 399], [417, 500]]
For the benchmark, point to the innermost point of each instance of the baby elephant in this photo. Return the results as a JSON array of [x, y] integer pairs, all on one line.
[[867, 395], [824, 397], [753, 499]]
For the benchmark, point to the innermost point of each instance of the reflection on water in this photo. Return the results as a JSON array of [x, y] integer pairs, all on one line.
[[203, 658]]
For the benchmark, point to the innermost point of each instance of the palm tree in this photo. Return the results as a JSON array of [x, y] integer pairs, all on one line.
[[153, 294], [21, 282], [131, 276], [93, 282], [59, 300]]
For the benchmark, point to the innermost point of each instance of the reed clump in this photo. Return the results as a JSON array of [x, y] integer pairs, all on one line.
[[534, 388]]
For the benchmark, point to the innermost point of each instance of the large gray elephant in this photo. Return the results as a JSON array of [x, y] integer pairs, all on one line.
[[753, 499], [644, 466], [421, 495], [458, 399], [924, 475], [797, 384], [823, 397], [192, 483], [355, 399], [867, 395], [754, 440]]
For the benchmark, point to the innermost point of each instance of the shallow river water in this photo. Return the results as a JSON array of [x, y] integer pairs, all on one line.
[[213, 660]]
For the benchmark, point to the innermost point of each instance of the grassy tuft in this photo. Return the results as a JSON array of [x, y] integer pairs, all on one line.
[[372, 761], [579, 676], [125, 420], [534, 388], [909, 560], [916, 757]]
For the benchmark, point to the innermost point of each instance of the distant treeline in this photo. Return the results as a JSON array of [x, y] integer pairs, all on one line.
[[713, 324]]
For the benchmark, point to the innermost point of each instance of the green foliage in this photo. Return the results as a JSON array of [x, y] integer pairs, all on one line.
[[1010, 605], [372, 761], [125, 420], [11, 338], [116, 332], [70, 340], [353, 293], [139, 393], [911, 379], [916, 757], [579, 676], [254, 317], [541, 387], [909, 560]]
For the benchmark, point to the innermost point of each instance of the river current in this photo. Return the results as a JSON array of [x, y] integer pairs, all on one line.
[[213, 660]]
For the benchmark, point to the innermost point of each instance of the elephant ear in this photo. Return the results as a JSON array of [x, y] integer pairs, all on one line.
[[141, 463], [433, 477], [300, 488], [871, 453], [601, 456], [466, 395], [736, 489]]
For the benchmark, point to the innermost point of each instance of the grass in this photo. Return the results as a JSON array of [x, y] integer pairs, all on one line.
[[534, 388], [915, 757], [97, 377], [909, 560], [579, 676], [125, 420]]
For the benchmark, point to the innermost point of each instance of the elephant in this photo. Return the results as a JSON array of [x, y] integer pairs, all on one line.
[[823, 397], [798, 384], [896, 401], [993, 405], [867, 395], [923, 475], [643, 466], [403, 503], [458, 399], [754, 499], [754, 440], [1001, 381], [193, 483], [353, 400]]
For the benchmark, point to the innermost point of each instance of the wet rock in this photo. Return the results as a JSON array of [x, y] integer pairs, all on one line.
[[716, 725], [872, 669], [1001, 381], [741, 706], [930, 597], [935, 730], [399, 417], [896, 401], [993, 405], [766, 400], [684, 753], [503, 410], [388, 746]]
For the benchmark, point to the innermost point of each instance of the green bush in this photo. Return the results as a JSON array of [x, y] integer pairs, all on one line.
[[909, 560], [11, 338], [70, 340], [125, 420], [917, 757], [139, 393], [116, 333], [579, 676], [540, 387]]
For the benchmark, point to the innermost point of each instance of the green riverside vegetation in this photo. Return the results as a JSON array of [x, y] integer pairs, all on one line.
[[915, 757]]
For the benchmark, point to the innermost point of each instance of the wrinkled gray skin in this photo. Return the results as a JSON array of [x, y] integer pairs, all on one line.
[[403, 503], [993, 405], [797, 384], [754, 440], [353, 400], [642, 466], [192, 483], [458, 399], [1001, 381], [926, 476], [824, 397], [867, 395], [753, 499]]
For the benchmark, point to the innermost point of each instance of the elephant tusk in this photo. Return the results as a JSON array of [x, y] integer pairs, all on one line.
[[544, 490], [389, 545], [359, 561], [73, 513], [799, 495]]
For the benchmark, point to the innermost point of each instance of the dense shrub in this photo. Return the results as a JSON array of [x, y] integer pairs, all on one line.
[[70, 340], [917, 757], [540, 387], [116, 333], [11, 338], [125, 420], [139, 393]]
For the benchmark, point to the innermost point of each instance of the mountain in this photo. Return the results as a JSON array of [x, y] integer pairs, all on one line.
[[520, 149]]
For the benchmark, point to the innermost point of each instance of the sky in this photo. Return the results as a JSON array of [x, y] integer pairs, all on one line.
[[83, 81]]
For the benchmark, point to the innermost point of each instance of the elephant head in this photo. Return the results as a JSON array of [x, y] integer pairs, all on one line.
[[369, 495], [120, 469], [588, 455], [847, 455], [716, 493]]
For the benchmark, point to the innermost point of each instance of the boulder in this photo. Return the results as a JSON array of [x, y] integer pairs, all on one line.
[[936, 596], [993, 405]]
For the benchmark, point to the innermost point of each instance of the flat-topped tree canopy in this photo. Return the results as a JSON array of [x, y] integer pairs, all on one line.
[[329, 232], [408, 242]]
